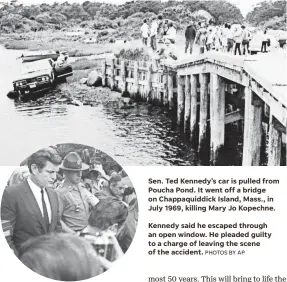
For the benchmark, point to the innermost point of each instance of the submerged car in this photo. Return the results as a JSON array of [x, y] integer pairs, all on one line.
[[35, 76], [40, 75]]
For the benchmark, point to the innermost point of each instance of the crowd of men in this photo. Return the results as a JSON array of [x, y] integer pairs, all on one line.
[[200, 37], [58, 210]]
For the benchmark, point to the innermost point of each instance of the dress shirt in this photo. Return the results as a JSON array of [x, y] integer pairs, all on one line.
[[36, 190]]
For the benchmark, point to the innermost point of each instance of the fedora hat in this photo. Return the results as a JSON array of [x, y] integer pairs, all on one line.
[[73, 162]]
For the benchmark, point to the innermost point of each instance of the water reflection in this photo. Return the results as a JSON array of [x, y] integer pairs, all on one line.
[[49, 110]]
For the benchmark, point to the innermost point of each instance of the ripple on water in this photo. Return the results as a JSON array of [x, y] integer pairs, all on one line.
[[143, 135]]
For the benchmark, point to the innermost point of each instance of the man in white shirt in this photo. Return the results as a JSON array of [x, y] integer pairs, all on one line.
[[171, 33], [145, 32], [154, 32], [32, 207]]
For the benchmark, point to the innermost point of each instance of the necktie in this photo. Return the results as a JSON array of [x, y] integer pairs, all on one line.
[[45, 212]]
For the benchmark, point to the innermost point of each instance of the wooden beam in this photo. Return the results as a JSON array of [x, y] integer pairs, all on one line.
[[252, 129], [136, 79], [274, 145], [149, 83], [276, 107], [235, 75], [193, 106], [170, 89], [165, 91], [180, 99], [104, 73], [123, 76], [187, 105], [234, 116], [203, 80], [113, 82], [217, 116]]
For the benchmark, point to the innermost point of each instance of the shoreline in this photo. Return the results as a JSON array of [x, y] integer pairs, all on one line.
[[37, 41]]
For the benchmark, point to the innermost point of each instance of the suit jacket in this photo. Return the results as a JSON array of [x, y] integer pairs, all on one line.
[[190, 32], [21, 209]]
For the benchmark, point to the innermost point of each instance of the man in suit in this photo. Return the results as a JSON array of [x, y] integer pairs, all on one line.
[[32, 207], [190, 33]]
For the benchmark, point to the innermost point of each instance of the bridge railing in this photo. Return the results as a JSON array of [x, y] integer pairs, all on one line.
[[199, 89]]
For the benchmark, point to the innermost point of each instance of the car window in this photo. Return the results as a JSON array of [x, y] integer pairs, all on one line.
[[37, 65]]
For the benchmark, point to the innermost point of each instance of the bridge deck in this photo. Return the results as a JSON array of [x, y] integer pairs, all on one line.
[[269, 70]]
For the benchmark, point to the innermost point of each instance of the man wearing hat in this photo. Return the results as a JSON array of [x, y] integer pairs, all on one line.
[[75, 200]]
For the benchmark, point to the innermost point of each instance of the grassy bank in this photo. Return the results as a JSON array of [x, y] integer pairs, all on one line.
[[47, 40]]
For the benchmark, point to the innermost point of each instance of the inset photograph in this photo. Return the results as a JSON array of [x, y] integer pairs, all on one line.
[[69, 212]]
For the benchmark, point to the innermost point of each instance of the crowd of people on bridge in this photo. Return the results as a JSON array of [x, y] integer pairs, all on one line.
[[201, 37], [69, 219]]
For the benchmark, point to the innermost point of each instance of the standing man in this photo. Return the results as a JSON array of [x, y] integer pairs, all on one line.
[[75, 200], [31, 207], [171, 33], [154, 32], [237, 39], [201, 38], [190, 33], [230, 39], [145, 32], [245, 40], [211, 30]]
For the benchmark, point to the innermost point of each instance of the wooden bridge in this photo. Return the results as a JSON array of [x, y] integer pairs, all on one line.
[[200, 87]]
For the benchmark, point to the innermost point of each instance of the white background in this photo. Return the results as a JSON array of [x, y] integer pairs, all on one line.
[[136, 265]]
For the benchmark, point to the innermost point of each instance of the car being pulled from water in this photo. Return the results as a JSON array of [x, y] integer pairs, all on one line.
[[35, 76], [39, 76]]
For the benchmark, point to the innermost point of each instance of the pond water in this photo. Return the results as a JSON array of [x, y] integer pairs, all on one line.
[[144, 135]]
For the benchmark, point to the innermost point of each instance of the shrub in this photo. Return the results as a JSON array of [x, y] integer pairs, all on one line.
[[103, 33], [57, 18], [43, 18], [102, 23], [133, 54], [275, 23]]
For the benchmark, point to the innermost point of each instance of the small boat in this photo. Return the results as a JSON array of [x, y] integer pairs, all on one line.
[[40, 55]]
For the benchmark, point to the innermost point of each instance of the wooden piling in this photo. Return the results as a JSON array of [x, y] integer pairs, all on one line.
[[136, 79], [170, 89], [274, 146], [252, 129], [193, 106], [123, 76], [165, 91], [217, 115], [203, 80], [149, 82], [113, 81], [187, 104], [104, 66], [180, 99]]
